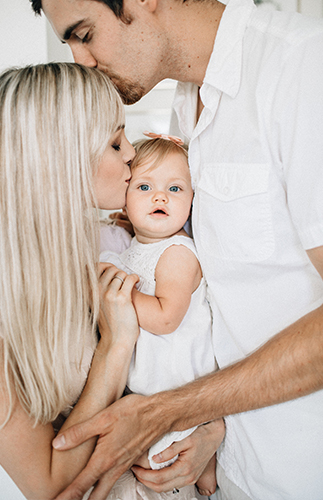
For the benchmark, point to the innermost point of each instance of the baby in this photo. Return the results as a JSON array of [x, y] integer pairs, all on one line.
[[174, 346]]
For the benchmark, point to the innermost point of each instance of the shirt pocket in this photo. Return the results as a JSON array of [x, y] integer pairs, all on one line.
[[232, 214]]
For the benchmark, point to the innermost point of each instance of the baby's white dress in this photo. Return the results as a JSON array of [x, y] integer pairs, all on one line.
[[164, 362], [127, 487], [186, 360]]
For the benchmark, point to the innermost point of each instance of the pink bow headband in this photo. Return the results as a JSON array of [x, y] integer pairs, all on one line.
[[176, 140]]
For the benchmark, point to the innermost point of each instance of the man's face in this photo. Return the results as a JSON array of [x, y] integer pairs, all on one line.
[[129, 52]]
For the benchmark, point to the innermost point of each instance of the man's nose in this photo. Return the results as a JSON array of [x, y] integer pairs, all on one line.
[[82, 55]]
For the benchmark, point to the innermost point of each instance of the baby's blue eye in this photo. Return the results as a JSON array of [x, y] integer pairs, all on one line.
[[174, 189], [144, 187]]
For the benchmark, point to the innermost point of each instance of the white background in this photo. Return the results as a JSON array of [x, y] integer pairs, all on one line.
[[27, 39]]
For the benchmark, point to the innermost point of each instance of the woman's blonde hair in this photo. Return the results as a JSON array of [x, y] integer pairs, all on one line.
[[55, 122], [157, 148]]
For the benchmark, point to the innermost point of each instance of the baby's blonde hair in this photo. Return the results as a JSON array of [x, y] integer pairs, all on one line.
[[158, 148], [55, 123]]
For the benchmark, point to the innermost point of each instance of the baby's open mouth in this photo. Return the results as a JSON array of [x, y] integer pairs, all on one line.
[[159, 211]]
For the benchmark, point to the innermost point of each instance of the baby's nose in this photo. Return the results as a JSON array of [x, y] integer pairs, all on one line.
[[160, 196]]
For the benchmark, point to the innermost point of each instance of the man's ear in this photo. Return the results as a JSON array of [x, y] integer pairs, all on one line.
[[149, 5]]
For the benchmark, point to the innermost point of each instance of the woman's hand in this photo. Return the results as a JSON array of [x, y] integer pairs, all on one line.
[[194, 453], [117, 318]]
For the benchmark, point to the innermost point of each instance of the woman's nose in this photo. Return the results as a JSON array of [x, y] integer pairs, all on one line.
[[129, 152], [82, 55]]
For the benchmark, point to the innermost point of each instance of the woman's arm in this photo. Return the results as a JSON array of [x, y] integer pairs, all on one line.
[[178, 274], [25, 451]]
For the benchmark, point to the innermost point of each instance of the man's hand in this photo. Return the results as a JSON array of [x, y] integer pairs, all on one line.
[[125, 431], [194, 454]]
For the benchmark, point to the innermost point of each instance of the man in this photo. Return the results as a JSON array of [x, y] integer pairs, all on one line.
[[255, 130]]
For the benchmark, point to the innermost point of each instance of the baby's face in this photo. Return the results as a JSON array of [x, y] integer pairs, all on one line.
[[159, 199]]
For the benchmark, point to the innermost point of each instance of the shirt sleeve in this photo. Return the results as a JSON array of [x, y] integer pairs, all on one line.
[[298, 122], [113, 238]]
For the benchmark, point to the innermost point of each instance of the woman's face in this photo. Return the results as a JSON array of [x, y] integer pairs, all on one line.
[[111, 180]]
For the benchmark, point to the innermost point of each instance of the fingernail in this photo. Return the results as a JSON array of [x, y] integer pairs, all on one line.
[[158, 458], [59, 442]]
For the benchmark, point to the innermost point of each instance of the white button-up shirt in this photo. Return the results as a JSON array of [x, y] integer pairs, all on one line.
[[256, 158]]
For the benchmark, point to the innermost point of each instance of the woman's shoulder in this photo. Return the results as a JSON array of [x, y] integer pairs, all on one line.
[[113, 238]]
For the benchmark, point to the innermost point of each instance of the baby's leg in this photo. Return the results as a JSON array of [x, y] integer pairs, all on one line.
[[207, 482]]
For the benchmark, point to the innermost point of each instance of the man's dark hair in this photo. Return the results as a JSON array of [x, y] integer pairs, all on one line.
[[115, 5]]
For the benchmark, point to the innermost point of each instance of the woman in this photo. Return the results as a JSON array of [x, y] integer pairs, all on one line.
[[63, 151], [63, 154]]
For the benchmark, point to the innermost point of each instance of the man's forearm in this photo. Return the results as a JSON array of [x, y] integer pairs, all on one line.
[[288, 366]]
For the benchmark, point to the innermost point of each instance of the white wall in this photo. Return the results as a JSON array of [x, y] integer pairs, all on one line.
[[311, 7], [57, 51], [27, 38], [23, 36], [307, 7]]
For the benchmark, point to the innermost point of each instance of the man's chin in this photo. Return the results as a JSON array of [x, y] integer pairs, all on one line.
[[130, 96], [130, 93]]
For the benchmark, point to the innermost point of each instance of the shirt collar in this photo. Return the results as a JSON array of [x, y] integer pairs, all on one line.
[[223, 73], [224, 68]]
